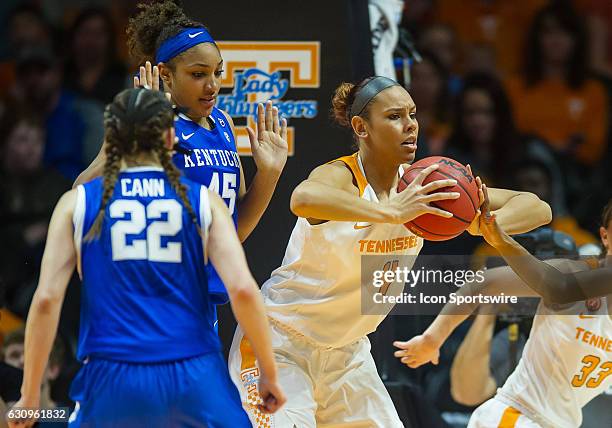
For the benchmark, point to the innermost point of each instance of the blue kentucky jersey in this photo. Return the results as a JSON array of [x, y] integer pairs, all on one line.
[[145, 295], [209, 157]]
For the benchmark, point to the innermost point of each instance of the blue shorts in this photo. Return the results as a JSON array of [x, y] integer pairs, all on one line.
[[195, 392]]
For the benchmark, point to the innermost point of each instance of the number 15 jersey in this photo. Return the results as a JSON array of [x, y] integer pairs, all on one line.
[[209, 157]]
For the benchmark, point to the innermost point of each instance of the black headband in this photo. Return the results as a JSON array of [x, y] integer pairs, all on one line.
[[369, 91]]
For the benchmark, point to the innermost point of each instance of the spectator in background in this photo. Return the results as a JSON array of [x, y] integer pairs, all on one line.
[[484, 134], [429, 90], [599, 17], [13, 355], [441, 41], [555, 98], [28, 193], [25, 26], [491, 31], [532, 175], [70, 122], [93, 69]]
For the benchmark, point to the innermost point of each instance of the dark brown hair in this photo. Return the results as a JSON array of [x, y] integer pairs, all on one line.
[[343, 100], [154, 24], [128, 135]]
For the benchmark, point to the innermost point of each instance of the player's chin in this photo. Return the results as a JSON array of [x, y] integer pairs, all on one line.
[[407, 154], [205, 108]]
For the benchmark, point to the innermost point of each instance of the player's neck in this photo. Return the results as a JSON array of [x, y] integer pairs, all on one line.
[[380, 175], [141, 159]]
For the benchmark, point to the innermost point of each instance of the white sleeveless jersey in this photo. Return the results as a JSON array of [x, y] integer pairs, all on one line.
[[317, 290], [566, 362]]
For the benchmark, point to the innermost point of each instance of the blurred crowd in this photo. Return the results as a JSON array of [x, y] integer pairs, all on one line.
[[520, 90]]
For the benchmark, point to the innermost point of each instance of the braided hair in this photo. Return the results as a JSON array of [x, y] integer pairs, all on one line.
[[134, 123]]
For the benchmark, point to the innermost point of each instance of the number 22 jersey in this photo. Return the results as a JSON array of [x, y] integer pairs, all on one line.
[[209, 157], [144, 296]]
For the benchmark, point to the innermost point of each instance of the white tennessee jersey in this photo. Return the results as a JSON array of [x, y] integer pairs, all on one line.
[[317, 290], [566, 362]]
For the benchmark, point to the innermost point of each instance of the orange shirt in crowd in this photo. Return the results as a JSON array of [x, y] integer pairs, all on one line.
[[558, 113], [499, 24]]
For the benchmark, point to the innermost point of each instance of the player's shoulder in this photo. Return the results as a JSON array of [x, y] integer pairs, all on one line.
[[225, 116], [337, 173]]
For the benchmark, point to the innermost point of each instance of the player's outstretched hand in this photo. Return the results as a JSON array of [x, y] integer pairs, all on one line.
[[474, 227], [415, 199], [148, 78], [272, 395], [269, 140], [417, 351], [491, 232]]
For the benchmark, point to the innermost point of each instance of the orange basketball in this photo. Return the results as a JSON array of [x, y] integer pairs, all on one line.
[[464, 209]]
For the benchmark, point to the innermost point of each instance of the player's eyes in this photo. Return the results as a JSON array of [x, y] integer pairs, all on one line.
[[413, 115], [197, 74], [394, 116], [218, 73]]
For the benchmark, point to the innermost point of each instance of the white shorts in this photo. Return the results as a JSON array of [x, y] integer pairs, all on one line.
[[325, 387], [496, 414]]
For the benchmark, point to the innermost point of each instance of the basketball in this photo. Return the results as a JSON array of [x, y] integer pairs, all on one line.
[[436, 228]]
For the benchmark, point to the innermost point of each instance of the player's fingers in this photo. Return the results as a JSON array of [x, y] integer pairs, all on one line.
[[438, 184], [155, 81], [437, 211], [275, 122], [136, 82], [269, 126], [485, 205], [252, 138], [469, 168], [149, 73], [400, 344], [402, 353], [284, 129], [423, 174], [440, 196], [435, 360], [142, 76], [261, 124]]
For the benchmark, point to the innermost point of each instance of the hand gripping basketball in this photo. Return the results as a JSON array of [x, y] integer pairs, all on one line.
[[415, 199]]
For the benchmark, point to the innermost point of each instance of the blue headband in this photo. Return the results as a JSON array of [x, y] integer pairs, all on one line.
[[181, 42]]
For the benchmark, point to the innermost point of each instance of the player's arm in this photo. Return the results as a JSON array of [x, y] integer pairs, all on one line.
[[269, 148], [426, 347], [95, 168], [330, 194], [471, 380], [57, 266], [518, 212], [227, 256], [555, 286]]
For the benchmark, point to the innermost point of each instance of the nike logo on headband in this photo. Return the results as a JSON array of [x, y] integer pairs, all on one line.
[[191, 36]]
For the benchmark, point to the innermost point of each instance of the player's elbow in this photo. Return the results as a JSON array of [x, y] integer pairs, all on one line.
[[244, 291], [468, 395], [301, 200], [539, 210], [45, 302]]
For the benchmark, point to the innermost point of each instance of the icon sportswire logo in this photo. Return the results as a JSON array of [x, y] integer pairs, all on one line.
[[191, 36], [261, 71]]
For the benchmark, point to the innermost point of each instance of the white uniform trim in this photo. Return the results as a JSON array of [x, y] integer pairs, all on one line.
[[205, 218], [78, 218]]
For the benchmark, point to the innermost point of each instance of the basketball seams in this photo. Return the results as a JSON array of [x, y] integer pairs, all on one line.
[[418, 168]]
